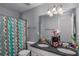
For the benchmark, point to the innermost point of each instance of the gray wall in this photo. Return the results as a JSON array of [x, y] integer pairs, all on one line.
[[77, 22], [8, 12], [32, 17]]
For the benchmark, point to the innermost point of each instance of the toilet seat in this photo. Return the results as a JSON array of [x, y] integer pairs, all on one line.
[[24, 53]]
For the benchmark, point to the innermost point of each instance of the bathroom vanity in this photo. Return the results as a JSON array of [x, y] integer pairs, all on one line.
[[39, 52], [46, 51]]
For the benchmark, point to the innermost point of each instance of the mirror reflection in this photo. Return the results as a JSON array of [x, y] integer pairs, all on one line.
[[58, 27]]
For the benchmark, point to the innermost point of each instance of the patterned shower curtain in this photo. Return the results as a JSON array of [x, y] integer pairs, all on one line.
[[12, 35]]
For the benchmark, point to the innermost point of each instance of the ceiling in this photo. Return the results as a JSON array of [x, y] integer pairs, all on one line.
[[20, 7]]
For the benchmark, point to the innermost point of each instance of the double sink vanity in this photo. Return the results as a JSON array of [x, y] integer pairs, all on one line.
[[47, 50]]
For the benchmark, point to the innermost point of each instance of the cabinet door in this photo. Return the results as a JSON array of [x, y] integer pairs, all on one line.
[[35, 54]]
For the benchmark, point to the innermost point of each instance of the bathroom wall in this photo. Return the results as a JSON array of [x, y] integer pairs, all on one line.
[[8, 12], [77, 22], [32, 17]]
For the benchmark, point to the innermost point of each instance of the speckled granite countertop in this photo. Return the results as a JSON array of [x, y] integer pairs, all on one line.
[[53, 50]]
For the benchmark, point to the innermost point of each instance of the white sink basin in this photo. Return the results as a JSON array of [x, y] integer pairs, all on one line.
[[66, 51], [43, 45]]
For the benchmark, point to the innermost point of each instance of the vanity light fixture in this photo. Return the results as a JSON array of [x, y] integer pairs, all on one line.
[[55, 10]]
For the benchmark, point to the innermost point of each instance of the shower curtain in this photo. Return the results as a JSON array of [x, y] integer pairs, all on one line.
[[12, 35]]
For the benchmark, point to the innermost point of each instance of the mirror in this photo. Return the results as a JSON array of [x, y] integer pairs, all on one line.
[[64, 23], [47, 25]]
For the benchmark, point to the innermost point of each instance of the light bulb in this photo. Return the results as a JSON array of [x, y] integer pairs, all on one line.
[[51, 14], [54, 11], [48, 12], [60, 10]]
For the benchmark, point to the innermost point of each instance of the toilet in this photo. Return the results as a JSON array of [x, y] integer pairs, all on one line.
[[24, 53]]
